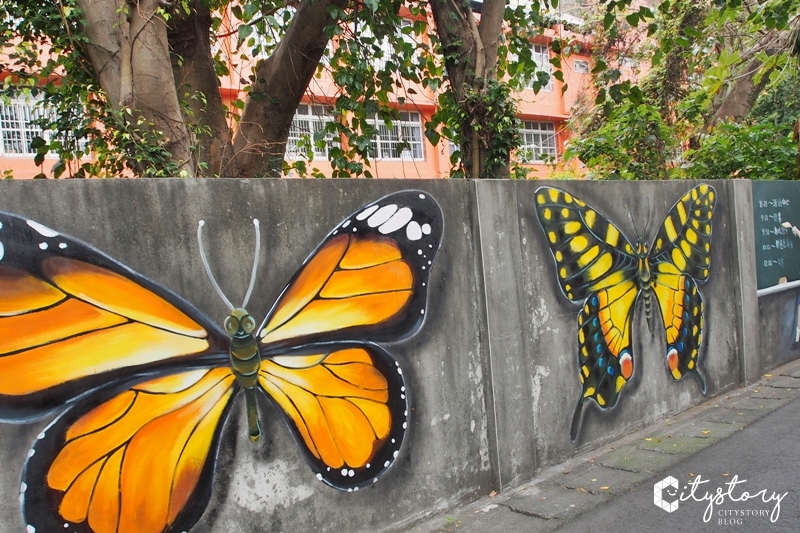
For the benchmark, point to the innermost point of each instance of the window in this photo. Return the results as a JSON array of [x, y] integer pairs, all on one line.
[[387, 49], [538, 142], [308, 121], [580, 66], [541, 55], [403, 141], [16, 130]]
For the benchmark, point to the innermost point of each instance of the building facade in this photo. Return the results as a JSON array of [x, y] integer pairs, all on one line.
[[399, 151]]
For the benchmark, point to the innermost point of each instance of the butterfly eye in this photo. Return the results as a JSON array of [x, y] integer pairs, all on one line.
[[248, 324], [232, 325]]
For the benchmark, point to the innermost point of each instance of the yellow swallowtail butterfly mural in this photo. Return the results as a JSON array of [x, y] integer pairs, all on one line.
[[599, 268]]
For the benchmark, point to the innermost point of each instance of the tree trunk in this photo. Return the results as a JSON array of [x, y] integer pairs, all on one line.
[[470, 53], [194, 72], [130, 54], [281, 80]]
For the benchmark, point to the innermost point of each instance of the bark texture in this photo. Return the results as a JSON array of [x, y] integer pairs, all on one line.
[[129, 51], [470, 52], [194, 72], [260, 142]]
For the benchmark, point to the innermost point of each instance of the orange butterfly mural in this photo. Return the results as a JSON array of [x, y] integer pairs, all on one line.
[[143, 381]]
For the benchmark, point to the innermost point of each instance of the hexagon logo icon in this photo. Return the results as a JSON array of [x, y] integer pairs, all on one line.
[[658, 494]]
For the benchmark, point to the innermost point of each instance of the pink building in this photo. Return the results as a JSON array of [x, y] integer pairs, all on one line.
[[402, 151]]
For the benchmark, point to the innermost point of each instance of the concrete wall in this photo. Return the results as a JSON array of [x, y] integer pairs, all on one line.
[[493, 373]]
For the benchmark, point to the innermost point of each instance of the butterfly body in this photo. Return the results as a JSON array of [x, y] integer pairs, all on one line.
[[596, 265], [245, 360], [144, 381]]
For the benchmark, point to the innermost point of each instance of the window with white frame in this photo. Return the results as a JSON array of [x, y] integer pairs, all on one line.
[[387, 49], [401, 141], [538, 142], [580, 66], [309, 120], [16, 128], [541, 55]]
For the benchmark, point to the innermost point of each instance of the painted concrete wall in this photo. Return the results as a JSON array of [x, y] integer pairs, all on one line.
[[493, 372]]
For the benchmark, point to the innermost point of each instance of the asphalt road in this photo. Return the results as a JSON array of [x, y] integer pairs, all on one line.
[[762, 460]]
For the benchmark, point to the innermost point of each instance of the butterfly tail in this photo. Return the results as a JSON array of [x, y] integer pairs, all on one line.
[[576, 420], [701, 381]]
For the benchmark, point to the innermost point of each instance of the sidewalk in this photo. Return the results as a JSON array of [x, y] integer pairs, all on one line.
[[562, 493]]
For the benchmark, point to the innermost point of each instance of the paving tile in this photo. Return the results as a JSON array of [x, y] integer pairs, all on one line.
[[783, 382], [775, 393], [634, 459], [731, 416], [551, 502], [705, 429], [792, 371], [598, 479], [682, 444], [490, 517], [757, 404]]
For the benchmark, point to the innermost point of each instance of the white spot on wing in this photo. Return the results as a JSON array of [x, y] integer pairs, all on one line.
[[421, 196], [2, 251], [382, 215], [367, 212], [413, 231], [42, 229], [43, 245], [398, 220], [346, 223], [30, 528], [62, 245], [426, 229]]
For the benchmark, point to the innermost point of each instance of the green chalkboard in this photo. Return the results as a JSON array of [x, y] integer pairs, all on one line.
[[777, 248]]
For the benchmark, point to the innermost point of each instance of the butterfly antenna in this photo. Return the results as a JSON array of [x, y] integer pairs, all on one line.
[[255, 265], [633, 223], [208, 267]]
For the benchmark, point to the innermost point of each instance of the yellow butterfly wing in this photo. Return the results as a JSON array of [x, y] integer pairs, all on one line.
[[680, 257], [595, 266]]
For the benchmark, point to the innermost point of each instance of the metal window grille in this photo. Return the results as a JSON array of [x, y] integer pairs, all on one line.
[[308, 122], [541, 56], [538, 142], [16, 130], [401, 142]]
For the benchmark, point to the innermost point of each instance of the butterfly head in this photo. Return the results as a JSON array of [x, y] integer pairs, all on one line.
[[642, 248], [239, 324]]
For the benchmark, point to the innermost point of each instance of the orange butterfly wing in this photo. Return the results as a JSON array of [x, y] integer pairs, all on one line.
[[132, 462], [343, 396], [72, 320], [368, 280], [347, 408]]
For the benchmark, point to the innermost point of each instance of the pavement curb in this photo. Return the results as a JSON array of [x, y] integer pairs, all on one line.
[[565, 491]]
